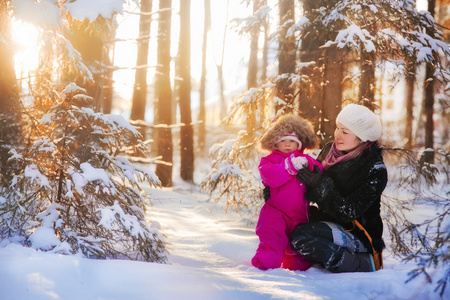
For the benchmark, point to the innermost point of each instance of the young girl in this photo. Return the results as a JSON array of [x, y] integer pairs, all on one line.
[[286, 208]]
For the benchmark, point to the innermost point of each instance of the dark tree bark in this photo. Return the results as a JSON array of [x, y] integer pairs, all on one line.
[[90, 44], [310, 94], [367, 83], [164, 95], [332, 95], [286, 52], [320, 98], [429, 101], [428, 112], [108, 87], [409, 103], [186, 131], [140, 81]]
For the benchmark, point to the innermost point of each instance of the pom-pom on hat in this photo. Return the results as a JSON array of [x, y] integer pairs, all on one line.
[[284, 126], [361, 121]]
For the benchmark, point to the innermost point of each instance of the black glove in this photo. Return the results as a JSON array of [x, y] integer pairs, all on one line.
[[310, 178], [266, 193]]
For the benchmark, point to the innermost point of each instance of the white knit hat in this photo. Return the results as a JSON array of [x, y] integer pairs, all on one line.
[[361, 121]]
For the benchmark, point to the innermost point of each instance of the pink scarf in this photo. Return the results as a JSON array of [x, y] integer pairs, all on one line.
[[335, 156]]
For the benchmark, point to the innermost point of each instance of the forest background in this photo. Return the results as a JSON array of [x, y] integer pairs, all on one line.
[[71, 163]]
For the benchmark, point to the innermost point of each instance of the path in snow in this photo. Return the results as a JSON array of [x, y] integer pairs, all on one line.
[[202, 236]]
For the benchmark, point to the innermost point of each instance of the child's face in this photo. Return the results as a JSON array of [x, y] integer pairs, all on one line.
[[286, 145]]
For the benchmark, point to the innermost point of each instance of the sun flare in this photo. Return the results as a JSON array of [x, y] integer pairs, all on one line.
[[26, 52]]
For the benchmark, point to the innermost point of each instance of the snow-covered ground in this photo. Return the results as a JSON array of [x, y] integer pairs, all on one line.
[[210, 254]]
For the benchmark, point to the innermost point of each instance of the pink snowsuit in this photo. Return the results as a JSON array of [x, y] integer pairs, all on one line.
[[285, 209]]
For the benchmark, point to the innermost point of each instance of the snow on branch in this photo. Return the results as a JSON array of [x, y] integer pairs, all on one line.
[[297, 26], [111, 214], [49, 13], [250, 23], [351, 37], [77, 192], [92, 9], [39, 13]]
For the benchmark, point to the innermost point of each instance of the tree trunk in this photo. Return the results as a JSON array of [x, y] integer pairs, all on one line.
[[202, 109], [164, 95], [108, 89], [286, 52], [252, 71], [367, 82], [265, 49], [91, 46], [332, 96], [10, 108], [429, 101], [140, 81], [223, 105], [409, 103], [428, 112], [310, 94], [186, 131]]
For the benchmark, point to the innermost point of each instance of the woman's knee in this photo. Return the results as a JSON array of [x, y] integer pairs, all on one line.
[[300, 235], [304, 234]]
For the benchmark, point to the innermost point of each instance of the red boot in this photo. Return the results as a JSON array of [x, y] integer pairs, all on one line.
[[294, 261]]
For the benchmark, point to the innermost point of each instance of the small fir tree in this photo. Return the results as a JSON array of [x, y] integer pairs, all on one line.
[[234, 175], [422, 186], [77, 191]]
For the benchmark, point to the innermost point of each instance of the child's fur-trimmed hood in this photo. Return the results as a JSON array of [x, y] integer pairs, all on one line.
[[285, 125]]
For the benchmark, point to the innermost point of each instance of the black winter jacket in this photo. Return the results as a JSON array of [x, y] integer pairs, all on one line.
[[350, 191]]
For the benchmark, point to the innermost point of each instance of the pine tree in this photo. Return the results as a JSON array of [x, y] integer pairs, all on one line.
[[78, 192]]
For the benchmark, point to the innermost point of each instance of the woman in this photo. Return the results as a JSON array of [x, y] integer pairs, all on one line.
[[345, 230]]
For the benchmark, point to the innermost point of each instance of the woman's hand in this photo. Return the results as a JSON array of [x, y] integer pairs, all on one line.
[[310, 178]]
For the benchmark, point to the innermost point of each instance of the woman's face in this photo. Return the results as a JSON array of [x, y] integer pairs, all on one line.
[[286, 145], [344, 139]]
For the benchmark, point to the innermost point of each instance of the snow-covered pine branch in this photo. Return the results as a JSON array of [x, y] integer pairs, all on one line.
[[234, 175], [78, 193], [246, 25], [420, 186], [391, 29]]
